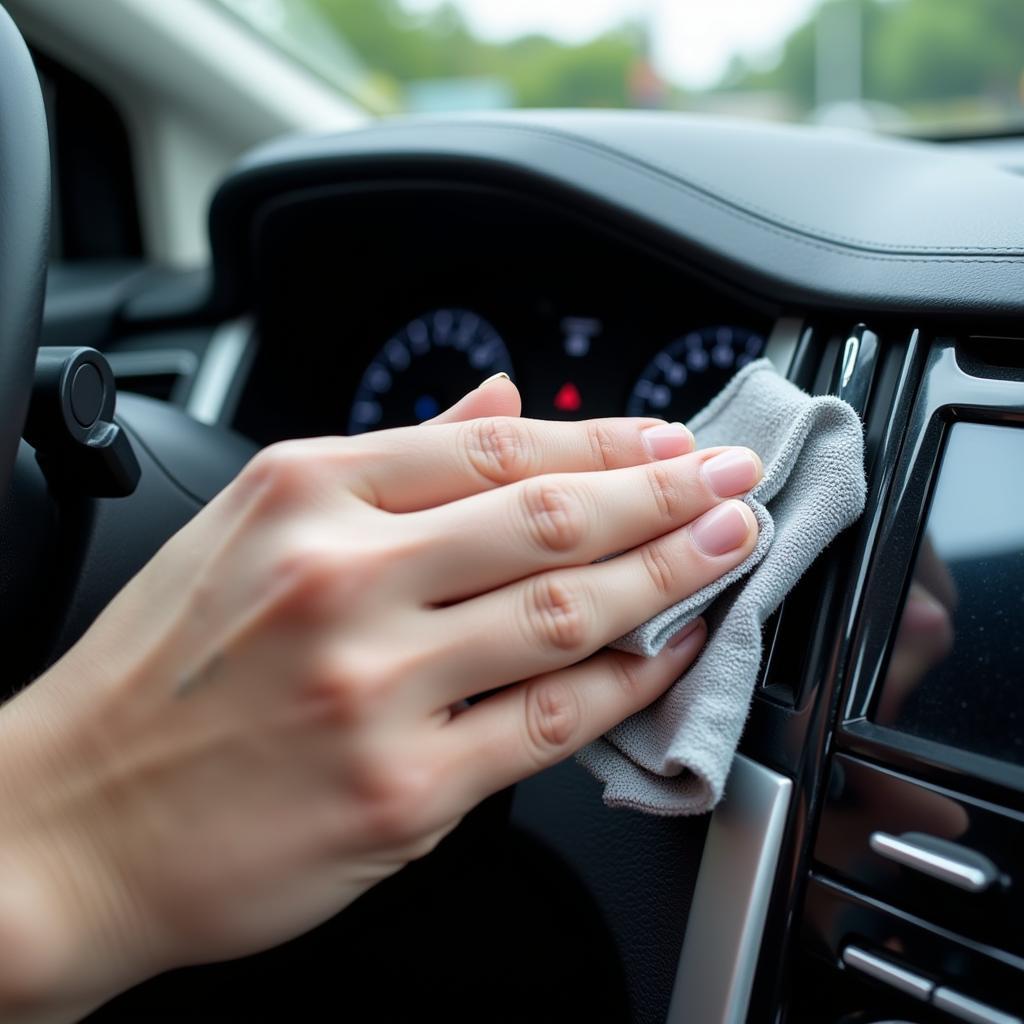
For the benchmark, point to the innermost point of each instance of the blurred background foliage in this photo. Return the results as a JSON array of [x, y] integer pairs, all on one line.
[[937, 61], [892, 64]]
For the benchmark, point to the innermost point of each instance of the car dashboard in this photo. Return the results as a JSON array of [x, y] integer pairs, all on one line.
[[406, 296], [629, 265]]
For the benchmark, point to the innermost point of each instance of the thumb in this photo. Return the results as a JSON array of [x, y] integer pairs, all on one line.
[[497, 396]]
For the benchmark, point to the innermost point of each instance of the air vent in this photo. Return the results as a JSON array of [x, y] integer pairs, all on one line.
[[165, 374], [794, 636]]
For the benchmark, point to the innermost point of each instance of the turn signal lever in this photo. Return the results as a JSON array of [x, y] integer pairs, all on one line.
[[71, 425]]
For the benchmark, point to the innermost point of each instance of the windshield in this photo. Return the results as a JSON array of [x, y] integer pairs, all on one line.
[[927, 66]]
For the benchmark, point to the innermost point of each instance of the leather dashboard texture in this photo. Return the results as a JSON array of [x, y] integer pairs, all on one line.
[[804, 215]]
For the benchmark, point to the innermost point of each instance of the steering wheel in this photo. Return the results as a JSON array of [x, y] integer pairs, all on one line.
[[24, 234]]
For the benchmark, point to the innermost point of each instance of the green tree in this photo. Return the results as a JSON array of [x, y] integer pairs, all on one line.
[[916, 54], [945, 49], [594, 74], [394, 42], [540, 71]]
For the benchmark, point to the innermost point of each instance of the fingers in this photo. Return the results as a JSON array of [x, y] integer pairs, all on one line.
[[491, 539], [557, 618], [496, 396], [538, 723], [409, 469]]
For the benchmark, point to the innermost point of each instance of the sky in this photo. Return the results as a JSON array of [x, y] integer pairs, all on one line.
[[693, 39]]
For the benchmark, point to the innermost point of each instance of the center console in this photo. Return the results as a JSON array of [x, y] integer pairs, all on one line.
[[910, 902]]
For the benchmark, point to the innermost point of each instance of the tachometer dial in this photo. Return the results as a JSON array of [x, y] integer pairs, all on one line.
[[429, 364], [689, 371]]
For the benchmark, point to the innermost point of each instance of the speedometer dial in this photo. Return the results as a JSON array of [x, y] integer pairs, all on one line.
[[689, 371], [429, 364]]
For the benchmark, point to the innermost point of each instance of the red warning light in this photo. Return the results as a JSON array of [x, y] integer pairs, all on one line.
[[568, 398]]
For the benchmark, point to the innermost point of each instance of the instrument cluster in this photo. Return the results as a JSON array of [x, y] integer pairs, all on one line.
[[429, 362], [379, 307]]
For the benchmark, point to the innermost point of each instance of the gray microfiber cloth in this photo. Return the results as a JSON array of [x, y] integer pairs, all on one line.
[[673, 757]]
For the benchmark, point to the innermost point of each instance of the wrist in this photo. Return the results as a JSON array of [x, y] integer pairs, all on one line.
[[63, 929]]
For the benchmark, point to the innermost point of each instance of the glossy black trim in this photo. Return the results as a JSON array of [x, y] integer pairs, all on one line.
[[905, 427], [838, 914], [798, 740], [964, 770], [866, 801], [947, 395]]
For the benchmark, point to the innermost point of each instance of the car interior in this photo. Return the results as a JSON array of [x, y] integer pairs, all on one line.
[[350, 272]]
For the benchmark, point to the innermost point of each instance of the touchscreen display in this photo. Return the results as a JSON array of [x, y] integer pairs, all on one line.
[[956, 673]]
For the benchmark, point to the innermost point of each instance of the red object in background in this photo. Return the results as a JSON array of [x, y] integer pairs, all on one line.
[[568, 398]]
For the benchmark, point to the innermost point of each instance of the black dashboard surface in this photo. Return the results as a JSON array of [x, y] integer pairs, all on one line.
[[806, 215]]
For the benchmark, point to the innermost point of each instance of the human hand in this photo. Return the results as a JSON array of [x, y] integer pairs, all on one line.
[[270, 718]]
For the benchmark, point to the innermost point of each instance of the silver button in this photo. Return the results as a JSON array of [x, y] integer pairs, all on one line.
[[939, 858], [882, 970], [970, 1009]]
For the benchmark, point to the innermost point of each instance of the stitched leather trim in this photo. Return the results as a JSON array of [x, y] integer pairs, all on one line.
[[757, 216]]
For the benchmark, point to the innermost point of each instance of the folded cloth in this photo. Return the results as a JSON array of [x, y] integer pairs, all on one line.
[[673, 757]]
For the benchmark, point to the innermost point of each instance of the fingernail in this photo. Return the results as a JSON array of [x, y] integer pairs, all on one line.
[[732, 472], [721, 530], [668, 440], [500, 375], [687, 631]]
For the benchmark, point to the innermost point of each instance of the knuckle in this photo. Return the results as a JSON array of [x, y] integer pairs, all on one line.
[[660, 569], [498, 449], [398, 799], [311, 567], [357, 572], [306, 572], [280, 471], [555, 518], [347, 689], [553, 718], [557, 615], [288, 470], [669, 499], [603, 446], [303, 560]]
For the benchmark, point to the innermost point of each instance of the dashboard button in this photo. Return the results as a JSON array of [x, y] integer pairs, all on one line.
[[901, 840], [888, 973], [946, 861]]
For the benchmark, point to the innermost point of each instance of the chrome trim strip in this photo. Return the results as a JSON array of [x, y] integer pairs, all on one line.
[[782, 342], [970, 1009], [888, 973], [730, 901], [222, 362], [963, 868], [849, 363]]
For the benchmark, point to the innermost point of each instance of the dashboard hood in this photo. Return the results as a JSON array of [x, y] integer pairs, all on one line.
[[805, 214]]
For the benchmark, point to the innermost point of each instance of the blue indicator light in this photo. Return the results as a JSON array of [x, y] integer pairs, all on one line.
[[426, 406]]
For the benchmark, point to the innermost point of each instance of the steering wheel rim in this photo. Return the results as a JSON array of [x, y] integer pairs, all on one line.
[[24, 234]]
